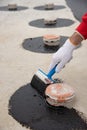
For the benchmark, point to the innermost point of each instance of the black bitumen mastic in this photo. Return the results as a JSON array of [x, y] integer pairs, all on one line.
[[30, 109], [61, 22], [56, 7], [37, 45], [19, 8]]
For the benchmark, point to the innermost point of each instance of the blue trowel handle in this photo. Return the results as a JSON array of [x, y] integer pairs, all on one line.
[[52, 72]]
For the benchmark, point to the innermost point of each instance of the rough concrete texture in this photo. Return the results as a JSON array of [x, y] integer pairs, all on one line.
[[30, 109], [17, 65]]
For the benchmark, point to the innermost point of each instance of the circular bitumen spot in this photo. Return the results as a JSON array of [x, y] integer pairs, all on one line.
[[60, 23], [37, 45], [19, 8], [56, 7], [30, 109]]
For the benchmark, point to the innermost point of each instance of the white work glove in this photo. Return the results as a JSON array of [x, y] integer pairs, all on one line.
[[62, 56]]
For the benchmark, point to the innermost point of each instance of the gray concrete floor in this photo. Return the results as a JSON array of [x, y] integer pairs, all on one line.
[[17, 65]]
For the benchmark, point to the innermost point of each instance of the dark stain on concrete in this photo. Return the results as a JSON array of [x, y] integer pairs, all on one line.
[[56, 7], [19, 8], [61, 22], [36, 45], [29, 108], [78, 7]]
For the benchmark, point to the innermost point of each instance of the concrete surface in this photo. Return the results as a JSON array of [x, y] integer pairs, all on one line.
[[17, 65]]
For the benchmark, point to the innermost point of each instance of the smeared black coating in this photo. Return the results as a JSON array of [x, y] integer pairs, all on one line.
[[56, 7], [19, 8], [61, 22], [36, 45], [29, 108]]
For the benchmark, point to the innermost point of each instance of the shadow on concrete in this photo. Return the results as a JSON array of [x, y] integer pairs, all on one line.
[[30, 109], [78, 7], [36, 45], [60, 23], [19, 8], [55, 8]]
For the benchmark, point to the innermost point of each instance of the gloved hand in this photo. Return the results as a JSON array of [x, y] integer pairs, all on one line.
[[62, 56]]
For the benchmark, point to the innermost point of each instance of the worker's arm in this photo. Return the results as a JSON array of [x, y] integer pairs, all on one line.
[[82, 28], [64, 54]]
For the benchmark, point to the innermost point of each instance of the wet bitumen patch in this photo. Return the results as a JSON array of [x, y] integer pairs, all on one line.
[[78, 7], [29, 108], [61, 22], [56, 7], [19, 8], [37, 45]]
